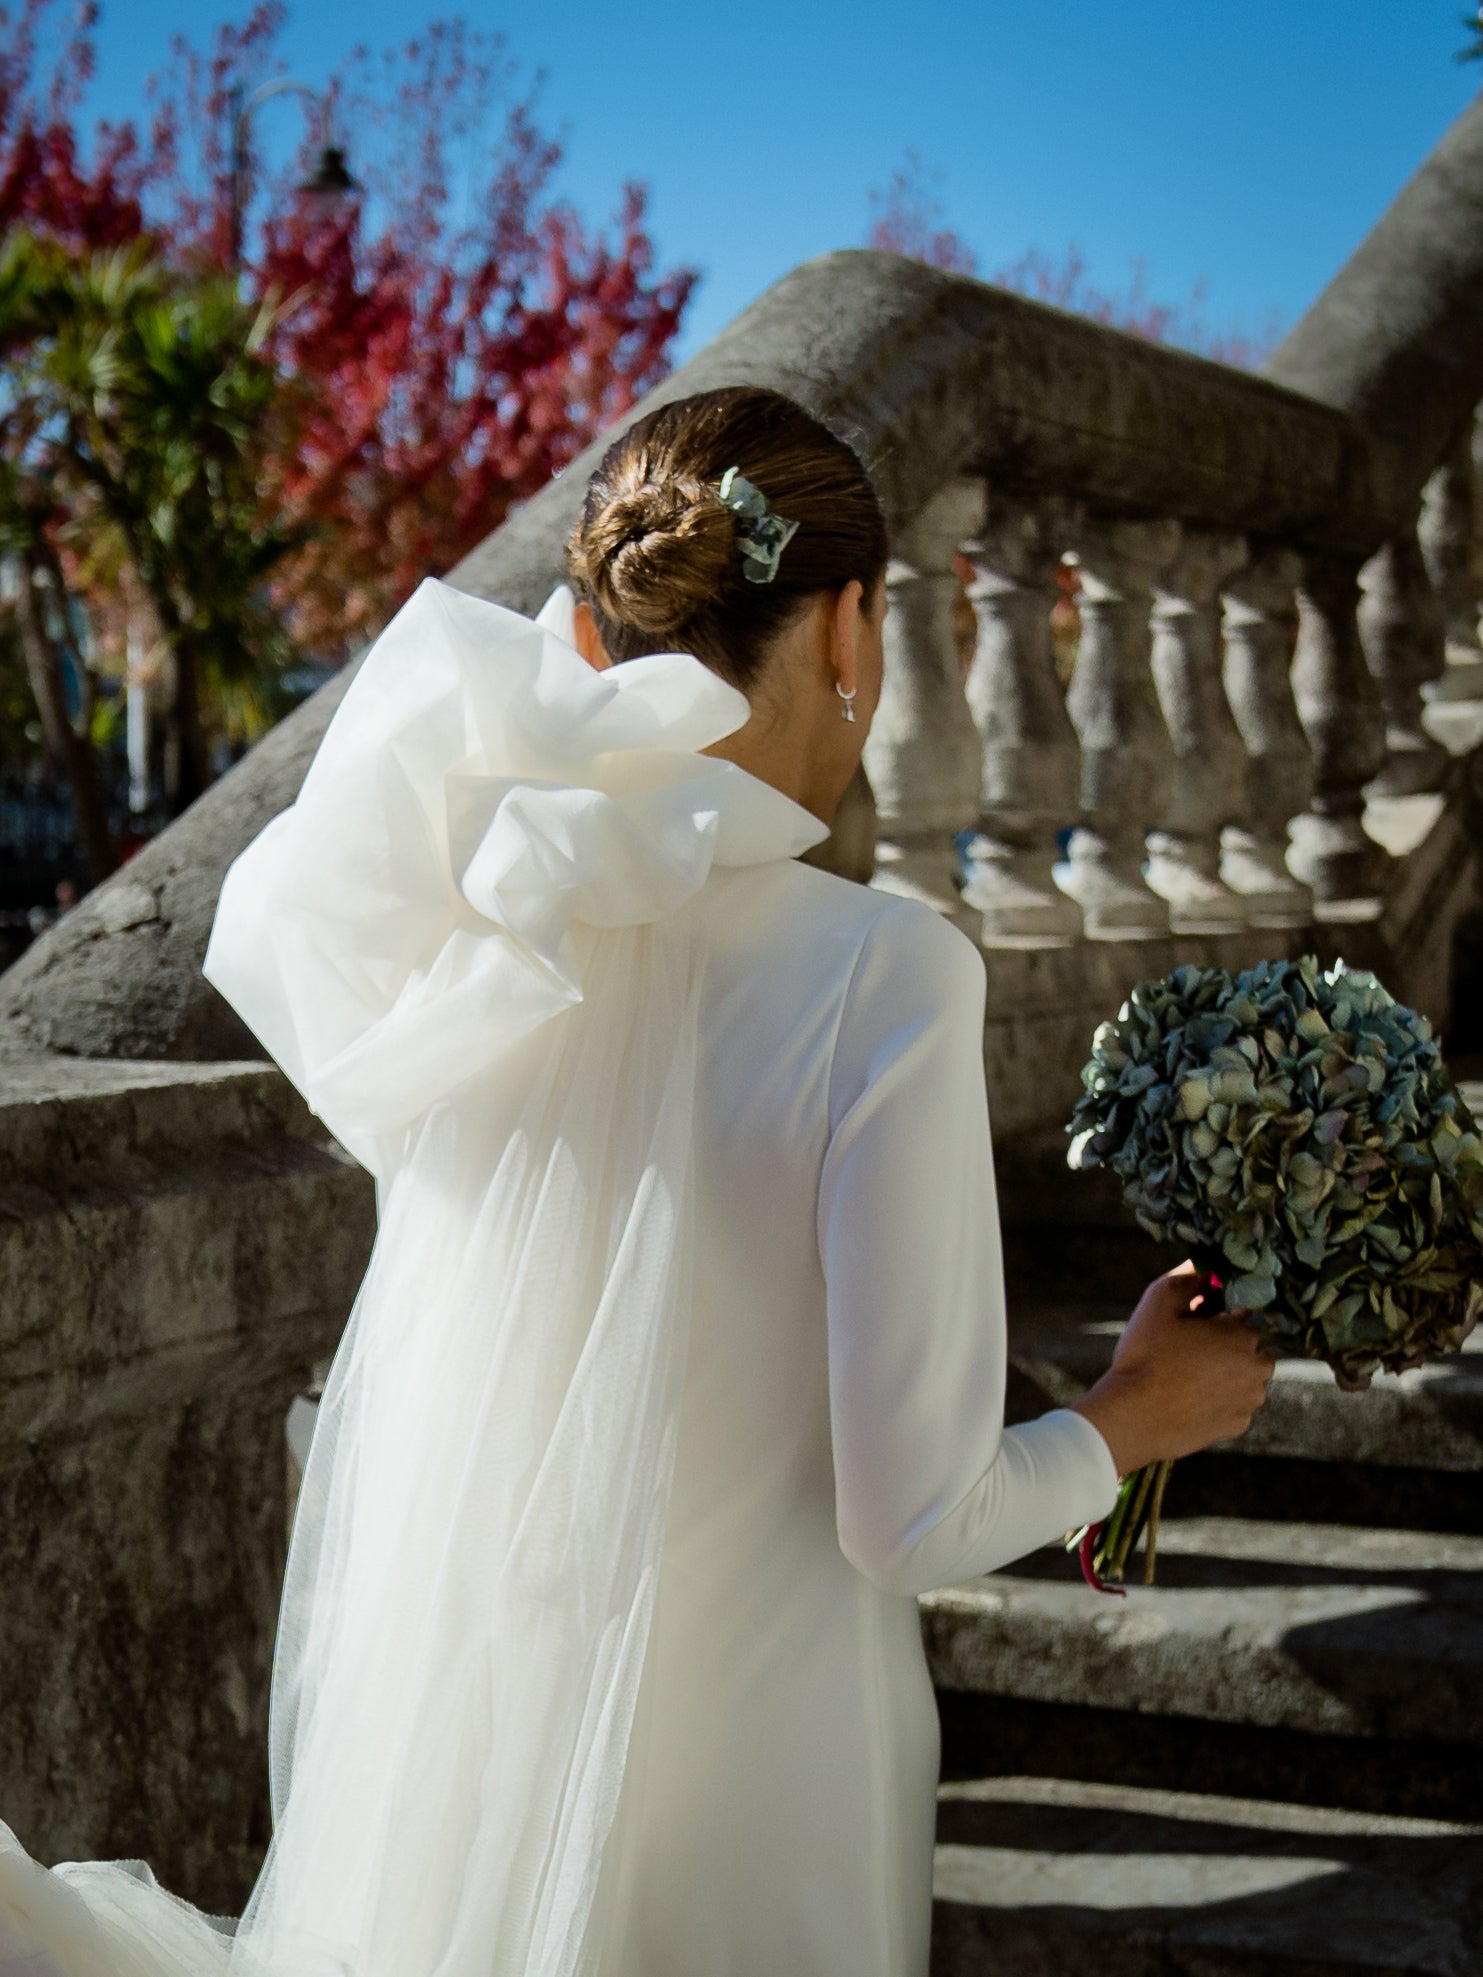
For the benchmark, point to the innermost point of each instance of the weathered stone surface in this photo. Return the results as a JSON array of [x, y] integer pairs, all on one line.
[[1127, 756], [1339, 706], [1448, 533], [178, 1246], [1207, 786], [116, 979], [1038, 1877], [1317, 1628], [933, 375], [1404, 633]]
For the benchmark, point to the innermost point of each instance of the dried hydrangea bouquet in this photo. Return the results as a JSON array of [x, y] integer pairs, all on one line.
[[1294, 1131]]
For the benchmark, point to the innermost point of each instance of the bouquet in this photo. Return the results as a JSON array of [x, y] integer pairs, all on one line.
[[1294, 1130]]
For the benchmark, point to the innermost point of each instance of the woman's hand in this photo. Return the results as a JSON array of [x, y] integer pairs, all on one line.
[[1179, 1379]]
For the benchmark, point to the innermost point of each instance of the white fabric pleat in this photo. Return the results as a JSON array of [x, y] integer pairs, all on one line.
[[468, 944]]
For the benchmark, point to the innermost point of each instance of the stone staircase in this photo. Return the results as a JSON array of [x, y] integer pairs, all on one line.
[[1272, 1760]]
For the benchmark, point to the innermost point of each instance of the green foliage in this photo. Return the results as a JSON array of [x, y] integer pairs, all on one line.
[[157, 400], [136, 415], [1296, 1129], [20, 725]]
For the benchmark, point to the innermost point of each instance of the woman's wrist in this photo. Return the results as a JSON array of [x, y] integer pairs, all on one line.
[[1115, 1407]]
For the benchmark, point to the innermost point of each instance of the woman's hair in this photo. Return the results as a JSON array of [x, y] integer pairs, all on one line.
[[658, 557]]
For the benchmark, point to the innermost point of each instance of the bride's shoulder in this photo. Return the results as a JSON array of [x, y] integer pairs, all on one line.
[[879, 938]]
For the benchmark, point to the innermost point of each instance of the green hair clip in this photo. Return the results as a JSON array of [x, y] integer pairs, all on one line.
[[763, 535]]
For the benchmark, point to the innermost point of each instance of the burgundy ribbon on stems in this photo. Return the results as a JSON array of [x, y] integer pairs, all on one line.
[[1087, 1553]]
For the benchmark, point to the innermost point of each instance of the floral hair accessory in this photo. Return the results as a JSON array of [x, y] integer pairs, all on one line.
[[764, 536]]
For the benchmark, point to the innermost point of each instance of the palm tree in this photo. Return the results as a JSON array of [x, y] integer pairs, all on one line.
[[29, 512], [158, 398]]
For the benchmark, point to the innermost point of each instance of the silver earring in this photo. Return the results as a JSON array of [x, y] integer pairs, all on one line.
[[848, 699]]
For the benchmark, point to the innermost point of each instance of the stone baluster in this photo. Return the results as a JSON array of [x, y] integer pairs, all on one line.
[[1207, 782], [1339, 705], [923, 755], [1400, 625], [1125, 748], [1031, 761], [1260, 620], [1448, 532]]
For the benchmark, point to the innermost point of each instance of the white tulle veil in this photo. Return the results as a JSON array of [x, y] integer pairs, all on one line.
[[469, 944]]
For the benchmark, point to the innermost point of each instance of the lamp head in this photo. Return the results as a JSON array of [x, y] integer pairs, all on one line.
[[330, 178]]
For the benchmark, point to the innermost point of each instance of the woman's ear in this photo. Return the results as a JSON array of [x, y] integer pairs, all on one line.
[[845, 635], [589, 639]]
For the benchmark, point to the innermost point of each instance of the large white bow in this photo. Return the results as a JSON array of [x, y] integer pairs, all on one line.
[[480, 788]]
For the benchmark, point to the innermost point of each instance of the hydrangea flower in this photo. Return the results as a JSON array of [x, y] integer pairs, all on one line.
[[1295, 1131]]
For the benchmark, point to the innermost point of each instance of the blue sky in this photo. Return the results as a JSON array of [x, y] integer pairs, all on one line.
[[1248, 145]]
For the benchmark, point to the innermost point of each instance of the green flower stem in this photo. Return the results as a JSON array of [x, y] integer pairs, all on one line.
[[1162, 1472], [1138, 1509], [1128, 1530], [1110, 1541]]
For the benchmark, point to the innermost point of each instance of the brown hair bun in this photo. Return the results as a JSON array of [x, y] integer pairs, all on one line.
[[658, 557], [656, 552]]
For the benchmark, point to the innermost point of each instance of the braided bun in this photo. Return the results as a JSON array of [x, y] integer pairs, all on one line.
[[655, 552]]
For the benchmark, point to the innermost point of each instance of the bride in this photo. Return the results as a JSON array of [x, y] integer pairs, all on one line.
[[679, 1365]]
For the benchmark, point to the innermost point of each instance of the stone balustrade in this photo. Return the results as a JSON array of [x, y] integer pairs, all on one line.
[[1146, 800], [1234, 705], [1008, 434]]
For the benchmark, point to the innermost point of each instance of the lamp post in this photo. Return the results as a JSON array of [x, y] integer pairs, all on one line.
[[330, 178]]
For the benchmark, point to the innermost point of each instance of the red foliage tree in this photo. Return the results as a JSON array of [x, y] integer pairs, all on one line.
[[45, 182], [441, 358], [908, 218]]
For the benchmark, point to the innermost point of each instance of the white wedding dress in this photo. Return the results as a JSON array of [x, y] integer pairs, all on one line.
[[677, 1372]]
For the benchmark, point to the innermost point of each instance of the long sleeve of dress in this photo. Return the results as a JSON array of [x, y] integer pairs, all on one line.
[[931, 1487]]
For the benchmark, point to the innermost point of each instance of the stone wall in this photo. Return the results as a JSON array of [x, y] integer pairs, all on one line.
[[178, 1245]]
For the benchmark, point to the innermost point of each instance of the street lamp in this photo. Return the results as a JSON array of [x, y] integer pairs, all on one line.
[[330, 178]]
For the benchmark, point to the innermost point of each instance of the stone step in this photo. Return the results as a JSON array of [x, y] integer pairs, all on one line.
[[1428, 1419], [1317, 1629], [987, 1736], [1227, 1482], [1035, 1877]]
